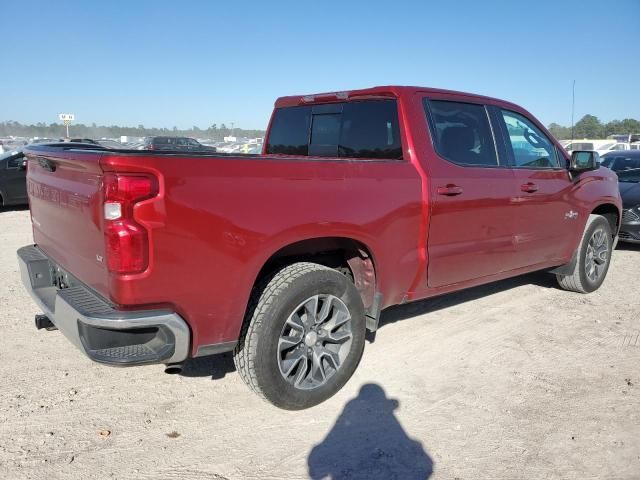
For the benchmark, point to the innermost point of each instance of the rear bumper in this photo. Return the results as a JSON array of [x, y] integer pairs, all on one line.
[[104, 334]]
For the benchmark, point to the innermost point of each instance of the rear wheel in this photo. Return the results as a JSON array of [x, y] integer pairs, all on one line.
[[303, 338], [593, 257]]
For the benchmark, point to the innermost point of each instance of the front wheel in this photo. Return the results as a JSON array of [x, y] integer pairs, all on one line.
[[303, 338], [593, 257]]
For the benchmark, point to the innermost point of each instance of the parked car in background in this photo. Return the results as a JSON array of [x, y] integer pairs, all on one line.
[[43, 140], [602, 147], [621, 161], [628, 138], [175, 144], [110, 143], [629, 183], [13, 182], [362, 200], [83, 140]]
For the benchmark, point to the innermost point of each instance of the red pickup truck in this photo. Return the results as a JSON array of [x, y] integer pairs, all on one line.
[[361, 200]]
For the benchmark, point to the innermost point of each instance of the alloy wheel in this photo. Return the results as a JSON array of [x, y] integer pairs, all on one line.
[[315, 341], [597, 255]]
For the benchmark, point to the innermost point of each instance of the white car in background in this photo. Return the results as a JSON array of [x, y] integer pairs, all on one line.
[[599, 146]]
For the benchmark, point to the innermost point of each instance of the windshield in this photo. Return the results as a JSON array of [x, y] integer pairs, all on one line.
[[606, 161], [632, 175], [625, 163]]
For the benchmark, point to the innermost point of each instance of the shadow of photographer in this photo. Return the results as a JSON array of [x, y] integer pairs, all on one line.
[[368, 442]]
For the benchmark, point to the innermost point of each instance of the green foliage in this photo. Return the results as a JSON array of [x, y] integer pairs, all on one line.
[[590, 127], [559, 131], [57, 130]]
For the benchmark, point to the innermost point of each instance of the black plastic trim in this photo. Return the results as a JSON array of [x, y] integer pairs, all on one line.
[[215, 348]]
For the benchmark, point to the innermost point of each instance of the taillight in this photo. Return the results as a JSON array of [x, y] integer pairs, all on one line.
[[126, 241]]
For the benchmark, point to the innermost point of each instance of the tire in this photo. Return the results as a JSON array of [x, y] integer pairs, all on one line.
[[285, 356], [580, 279]]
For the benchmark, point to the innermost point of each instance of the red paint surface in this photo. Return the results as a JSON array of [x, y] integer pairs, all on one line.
[[217, 219]]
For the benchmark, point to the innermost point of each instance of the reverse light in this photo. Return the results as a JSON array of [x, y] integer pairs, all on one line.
[[126, 241], [112, 211]]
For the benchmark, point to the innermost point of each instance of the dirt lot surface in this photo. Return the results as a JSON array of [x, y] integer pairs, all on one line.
[[513, 380]]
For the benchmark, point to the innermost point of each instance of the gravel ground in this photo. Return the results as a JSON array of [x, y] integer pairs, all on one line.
[[517, 379]]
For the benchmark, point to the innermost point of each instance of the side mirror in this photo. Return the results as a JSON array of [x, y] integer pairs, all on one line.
[[583, 161], [23, 165]]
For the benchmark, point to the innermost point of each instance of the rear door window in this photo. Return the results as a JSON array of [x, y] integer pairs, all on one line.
[[461, 132]]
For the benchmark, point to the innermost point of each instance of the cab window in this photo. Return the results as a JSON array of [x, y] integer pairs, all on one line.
[[530, 147]]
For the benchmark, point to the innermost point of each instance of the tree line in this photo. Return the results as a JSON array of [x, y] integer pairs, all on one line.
[[79, 130], [590, 127]]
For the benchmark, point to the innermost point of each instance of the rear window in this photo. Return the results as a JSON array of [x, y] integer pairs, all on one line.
[[370, 130], [358, 129], [289, 134]]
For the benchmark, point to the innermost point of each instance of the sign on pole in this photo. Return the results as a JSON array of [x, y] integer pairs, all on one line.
[[67, 118]]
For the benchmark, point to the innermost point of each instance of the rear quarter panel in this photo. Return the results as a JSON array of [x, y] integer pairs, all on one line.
[[217, 220]]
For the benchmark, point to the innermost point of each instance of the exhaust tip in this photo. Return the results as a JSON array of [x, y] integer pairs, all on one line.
[[173, 369]]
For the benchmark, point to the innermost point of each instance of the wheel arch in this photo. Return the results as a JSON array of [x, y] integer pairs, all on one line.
[[611, 213], [347, 255]]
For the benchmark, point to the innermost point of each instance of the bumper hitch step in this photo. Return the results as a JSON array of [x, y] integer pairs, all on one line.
[[42, 321]]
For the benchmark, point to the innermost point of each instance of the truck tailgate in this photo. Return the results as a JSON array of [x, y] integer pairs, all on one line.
[[65, 195]]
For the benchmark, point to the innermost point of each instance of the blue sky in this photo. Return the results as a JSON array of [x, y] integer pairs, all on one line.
[[161, 63]]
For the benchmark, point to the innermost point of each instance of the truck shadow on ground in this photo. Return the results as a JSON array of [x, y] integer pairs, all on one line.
[[421, 307], [626, 246], [217, 366], [368, 442], [214, 366], [14, 208]]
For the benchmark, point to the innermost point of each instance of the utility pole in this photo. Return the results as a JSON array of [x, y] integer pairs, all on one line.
[[573, 107]]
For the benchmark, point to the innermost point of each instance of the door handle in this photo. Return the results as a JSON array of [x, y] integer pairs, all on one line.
[[529, 187], [450, 190]]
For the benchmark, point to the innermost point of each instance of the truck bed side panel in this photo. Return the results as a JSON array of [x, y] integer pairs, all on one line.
[[218, 220]]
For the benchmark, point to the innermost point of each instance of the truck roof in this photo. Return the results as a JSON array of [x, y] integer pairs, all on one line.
[[394, 91]]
